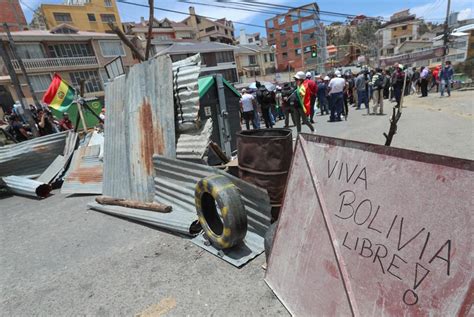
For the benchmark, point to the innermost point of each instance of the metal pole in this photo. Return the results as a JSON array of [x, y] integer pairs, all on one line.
[[403, 91], [126, 41], [79, 106], [301, 40], [446, 33], [20, 62], [223, 117], [150, 29], [19, 92]]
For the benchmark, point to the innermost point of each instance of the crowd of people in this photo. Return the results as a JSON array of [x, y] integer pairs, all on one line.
[[334, 93]]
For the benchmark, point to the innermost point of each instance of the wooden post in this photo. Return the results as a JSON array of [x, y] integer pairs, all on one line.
[[126, 41], [150, 29], [79, 106]]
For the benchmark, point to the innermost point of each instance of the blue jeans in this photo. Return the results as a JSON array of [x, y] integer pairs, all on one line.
[[362, 98], [445, 84], [337, 104], [256, 120]]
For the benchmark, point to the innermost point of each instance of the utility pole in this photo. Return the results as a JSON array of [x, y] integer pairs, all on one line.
[[301, 40], [446, 33], [22, 67], [19, 92], [150, 28]]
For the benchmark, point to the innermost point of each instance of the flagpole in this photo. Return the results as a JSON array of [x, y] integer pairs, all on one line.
[[79, 106]]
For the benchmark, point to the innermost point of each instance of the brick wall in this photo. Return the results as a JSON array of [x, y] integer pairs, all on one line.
[[12, 13]]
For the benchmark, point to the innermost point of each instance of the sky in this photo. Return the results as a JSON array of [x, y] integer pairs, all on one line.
[[431, 10]]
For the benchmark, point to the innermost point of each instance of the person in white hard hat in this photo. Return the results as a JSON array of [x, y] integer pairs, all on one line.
[[313, 89], [336, 90], [303, 94]]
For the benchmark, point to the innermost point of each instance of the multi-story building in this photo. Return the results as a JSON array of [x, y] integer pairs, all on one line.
[[253, 38], [215, 57], [221, 30], [294, 33], [12, 14], [164, 32], [254, 60], [402, 27], [85, 15], [73, 54]]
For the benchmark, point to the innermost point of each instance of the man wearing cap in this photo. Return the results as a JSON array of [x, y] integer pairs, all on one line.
[[336, 91], [313, 89], [304, 100], [247, 105], [65, 123]]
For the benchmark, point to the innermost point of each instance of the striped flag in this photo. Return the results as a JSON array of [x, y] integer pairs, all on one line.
[[59, 95]]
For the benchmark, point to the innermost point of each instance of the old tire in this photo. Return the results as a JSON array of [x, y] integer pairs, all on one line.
[[220, 211]]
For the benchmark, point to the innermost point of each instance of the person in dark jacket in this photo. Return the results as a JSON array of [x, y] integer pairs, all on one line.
[[446, 76], [266, 99]]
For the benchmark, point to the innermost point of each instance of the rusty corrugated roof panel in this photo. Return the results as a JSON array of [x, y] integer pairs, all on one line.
[[84, 175], [140, 123], [32, 156]]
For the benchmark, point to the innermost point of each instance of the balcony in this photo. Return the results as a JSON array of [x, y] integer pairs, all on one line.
[[56, 64]]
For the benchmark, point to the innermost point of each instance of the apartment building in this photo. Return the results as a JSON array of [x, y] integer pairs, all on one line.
[[221, 30], [401, 27], [254, 60], [11, 13], [164, 32], [253, 38], [73, 54], [85, 15], [215, 57], [293, 34]]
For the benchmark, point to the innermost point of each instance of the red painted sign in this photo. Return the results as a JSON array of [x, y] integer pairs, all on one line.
[[368, 230]]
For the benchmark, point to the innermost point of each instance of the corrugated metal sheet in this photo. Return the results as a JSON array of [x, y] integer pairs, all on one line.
[[52, 171], [192, 145], [140, 123], [84, 175], [370, 230], [27, 187], [32, 156], [185, 88], [175, 221], [175, 182]]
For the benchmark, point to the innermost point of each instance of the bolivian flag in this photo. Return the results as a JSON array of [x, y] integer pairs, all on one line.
[[304, 97], [59, 95]]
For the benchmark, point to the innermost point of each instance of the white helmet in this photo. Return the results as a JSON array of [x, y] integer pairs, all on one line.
[[299, 75], [308, 75], [327, 78], [338, 73]]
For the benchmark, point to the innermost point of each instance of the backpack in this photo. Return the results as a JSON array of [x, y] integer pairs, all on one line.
[[379, 82], [264, 97]]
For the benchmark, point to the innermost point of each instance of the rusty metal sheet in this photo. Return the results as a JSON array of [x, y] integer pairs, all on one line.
[[369, 230], [84, 175], [140, 123]]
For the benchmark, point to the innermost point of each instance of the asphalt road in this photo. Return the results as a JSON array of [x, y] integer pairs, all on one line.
[[432, 124], [58, 258]]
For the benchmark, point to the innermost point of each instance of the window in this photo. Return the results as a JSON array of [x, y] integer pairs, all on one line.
[[252, 60], [294, 16], [91, 77], [210, 29], [282, 32], [70, 50], [460, 56], [226, 32], [308, 24], [281, 20], [28, 51], [284, 55], [410, 38], [265, 58], [62, 17], [111, 48], [272, 57], [107, 18], [308, 37], [296, 40], [394, 28], [108, 3], [91, 17], [225, 57], [271, 35], [403, 39], [307, 49], [404, 27], [40, 83], [295, 28], [283, 44], [250, 40], [298, 51], [270, 23]]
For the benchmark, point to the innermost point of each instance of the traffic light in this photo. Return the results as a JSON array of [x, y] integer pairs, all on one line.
[[314, 51]]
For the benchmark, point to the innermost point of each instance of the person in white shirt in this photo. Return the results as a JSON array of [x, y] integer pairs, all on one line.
[[336, 92], [247, 106]]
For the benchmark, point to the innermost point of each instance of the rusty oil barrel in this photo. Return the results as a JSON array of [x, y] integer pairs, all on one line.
[[264, 157]]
